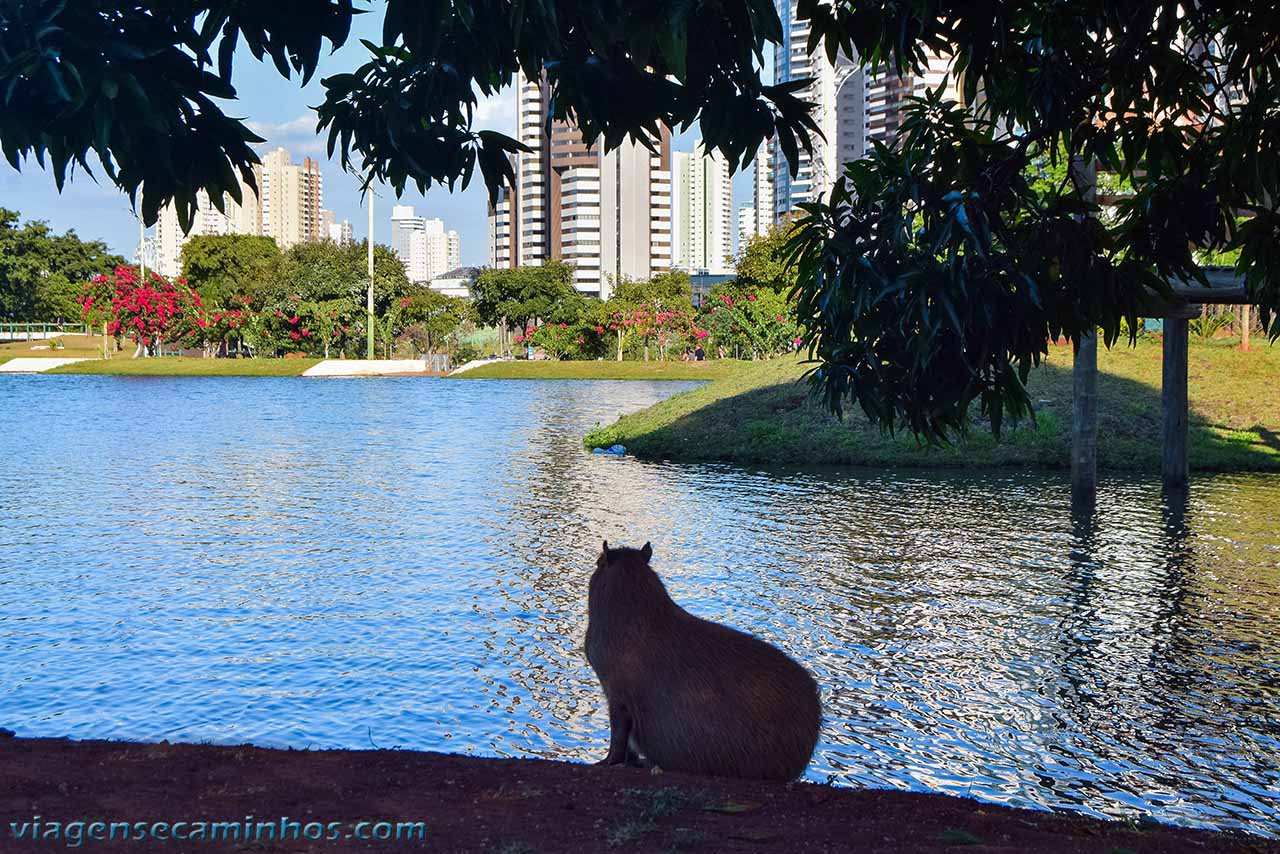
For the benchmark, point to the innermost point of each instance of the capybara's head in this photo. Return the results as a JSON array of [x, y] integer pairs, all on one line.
[[624, 578], [624, 557]]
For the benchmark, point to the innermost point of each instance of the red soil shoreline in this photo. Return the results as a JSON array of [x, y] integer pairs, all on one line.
[[519, 805]]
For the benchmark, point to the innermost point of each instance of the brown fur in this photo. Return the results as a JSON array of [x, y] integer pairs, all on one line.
[[689, 694]]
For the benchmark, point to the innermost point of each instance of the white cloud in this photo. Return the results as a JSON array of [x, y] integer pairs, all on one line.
[[292, 133], [496, 112]]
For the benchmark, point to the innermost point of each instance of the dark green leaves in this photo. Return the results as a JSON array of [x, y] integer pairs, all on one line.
[[618, 69], [132, 86]]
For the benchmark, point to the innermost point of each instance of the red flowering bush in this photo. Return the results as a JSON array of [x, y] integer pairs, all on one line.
[[151, 312], [555, 339], [655, 325], [757, 323]]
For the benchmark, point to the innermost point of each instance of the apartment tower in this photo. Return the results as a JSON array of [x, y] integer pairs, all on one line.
[[609, 215], [839, 93], [702, 211]]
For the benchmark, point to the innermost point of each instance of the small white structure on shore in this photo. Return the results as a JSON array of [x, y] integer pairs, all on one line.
[[366, 367]]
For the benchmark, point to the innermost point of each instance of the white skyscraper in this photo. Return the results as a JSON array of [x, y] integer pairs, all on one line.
[[288, 207], [747, 226], [839, 94], [608, 215], [702, 211], [762, 192], [403, 224], [340, 232], [423, 245], [232, 219]]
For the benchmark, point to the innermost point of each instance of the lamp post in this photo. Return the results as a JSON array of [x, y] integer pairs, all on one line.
[[369, 303]]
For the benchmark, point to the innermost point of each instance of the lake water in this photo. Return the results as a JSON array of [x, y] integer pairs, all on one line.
[[404, 562]]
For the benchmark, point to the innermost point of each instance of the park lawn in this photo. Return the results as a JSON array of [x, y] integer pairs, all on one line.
[[762, 413], [178, 366], [74, 347], [548, 369]]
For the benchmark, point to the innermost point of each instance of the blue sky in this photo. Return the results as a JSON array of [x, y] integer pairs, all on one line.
[[280, 110]]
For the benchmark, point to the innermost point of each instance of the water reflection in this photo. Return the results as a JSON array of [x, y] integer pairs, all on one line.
[[405, 562]]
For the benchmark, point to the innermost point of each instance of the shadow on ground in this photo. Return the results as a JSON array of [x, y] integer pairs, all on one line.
[[767, 416]]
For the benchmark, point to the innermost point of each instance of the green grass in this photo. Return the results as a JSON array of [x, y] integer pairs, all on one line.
[[73, 347], [603, 370], [761, 413], [177, 366]]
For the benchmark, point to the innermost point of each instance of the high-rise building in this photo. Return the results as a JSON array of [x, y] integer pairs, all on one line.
[[287, 206], [608, 215], [403, 224], [292, 197], [762, 193], [839, 94], [423, 244], [234, 218], [702, 211], [887, 92], [503, 246], [340, 233], [747, 226]]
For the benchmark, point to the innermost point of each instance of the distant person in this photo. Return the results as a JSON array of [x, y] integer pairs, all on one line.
[[686, 355], [720, 351], [700, 354]]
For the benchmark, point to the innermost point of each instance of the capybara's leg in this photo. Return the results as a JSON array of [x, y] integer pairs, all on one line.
[[619, 734]]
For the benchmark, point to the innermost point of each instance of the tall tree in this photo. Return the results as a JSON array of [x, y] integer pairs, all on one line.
[[222, 266], [767, 262], [42, 273], [521, 295], [671, 290]]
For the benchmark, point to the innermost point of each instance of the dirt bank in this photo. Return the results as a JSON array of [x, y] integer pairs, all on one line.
[[493, 805]]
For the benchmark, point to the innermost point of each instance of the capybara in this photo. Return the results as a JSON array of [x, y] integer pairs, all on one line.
[[689, 694]]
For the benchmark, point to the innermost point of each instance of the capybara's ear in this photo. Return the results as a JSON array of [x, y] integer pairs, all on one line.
[[646, 552], [606, 550]]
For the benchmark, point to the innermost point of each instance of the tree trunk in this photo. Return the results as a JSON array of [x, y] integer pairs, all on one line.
[[619, 345], [1245, 322]]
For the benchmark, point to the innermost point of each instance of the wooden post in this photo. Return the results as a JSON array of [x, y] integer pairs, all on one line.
[[1084, 423], [1176, 466], [1245, 322], [1084, 379]]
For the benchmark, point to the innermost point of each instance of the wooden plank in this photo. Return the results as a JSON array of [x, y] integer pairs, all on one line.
[[1212, 296], [1173, 395], [1226, 287]]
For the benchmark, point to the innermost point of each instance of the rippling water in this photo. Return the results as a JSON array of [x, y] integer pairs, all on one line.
[[404, 562]]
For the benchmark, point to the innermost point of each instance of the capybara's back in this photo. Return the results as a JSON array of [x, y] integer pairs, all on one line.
[[689, 694]]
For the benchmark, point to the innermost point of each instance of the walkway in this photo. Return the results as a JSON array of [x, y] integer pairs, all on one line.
[[25, 365], [366, 368]]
